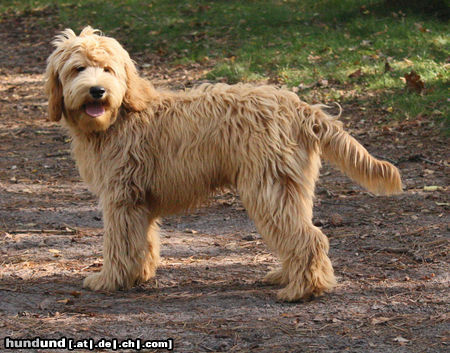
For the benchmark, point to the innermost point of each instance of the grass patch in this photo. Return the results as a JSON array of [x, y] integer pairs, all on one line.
[[340, 44]]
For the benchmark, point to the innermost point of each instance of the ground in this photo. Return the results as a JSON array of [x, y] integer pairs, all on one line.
[[390, 254]]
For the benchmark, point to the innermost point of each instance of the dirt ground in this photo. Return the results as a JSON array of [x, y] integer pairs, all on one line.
[[390, 254]]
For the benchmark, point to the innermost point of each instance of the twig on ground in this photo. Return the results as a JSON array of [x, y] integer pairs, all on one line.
[[417, 158], [389, 249], [48, 231], [430, 161], [58, 154], [385, 158]]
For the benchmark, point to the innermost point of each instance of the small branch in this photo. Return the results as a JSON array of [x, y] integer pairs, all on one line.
[[48, 231], [385, 158], [388, 249], [58, 154], [437, 242], [417, 158], [430, 161]]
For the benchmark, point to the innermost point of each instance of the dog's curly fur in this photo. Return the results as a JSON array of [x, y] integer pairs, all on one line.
[[147, 153]]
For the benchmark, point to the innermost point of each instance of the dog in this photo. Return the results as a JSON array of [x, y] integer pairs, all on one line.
[[147, 153]]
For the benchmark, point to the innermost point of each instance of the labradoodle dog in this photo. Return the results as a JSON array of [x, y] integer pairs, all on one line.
[[148, 153]]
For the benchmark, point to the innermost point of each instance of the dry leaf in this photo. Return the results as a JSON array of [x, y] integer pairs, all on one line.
[[66, 301], [191, 231], [408, 62], [322, 83], [356, 74], [414, 82], [431, 188], [379, 320], [421, 28], [314, 58], [400, 339], [336, 220]]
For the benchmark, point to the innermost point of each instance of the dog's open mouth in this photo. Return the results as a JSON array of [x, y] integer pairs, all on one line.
[[94, 109]]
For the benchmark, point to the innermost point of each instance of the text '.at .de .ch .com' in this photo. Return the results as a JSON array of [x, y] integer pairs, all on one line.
[[87, 343]]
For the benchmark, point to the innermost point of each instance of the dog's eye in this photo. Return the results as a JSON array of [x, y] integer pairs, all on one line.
[[106, 69], [80, 68]]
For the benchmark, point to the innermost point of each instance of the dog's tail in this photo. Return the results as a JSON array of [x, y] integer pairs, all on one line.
[[341, 149]]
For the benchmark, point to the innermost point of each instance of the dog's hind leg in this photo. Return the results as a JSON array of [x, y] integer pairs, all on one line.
[[281, 207], [130, 247], [307, 266]]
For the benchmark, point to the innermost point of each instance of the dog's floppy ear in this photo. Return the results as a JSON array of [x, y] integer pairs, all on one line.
[[139, 91], [53, 89], [52, 86]]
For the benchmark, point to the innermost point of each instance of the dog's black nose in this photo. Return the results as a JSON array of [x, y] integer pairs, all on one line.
[[97, 92]]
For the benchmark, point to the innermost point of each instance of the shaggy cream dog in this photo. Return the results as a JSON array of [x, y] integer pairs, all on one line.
[[148, 153]]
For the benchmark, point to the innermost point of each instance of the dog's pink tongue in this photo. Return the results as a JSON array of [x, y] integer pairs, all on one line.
[[94, 109]]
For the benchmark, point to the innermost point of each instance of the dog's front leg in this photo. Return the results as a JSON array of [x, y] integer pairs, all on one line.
[[130, 247]]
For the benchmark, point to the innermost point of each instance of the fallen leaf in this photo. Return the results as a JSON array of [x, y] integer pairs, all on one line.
[[431, 188], [302, 86], [421, 28], [379, 320], [314, 58], [336, 219], [322, 83], [191, 231], [356, 74], [400, 339], [66, 301], [414, 82], [408, 62]]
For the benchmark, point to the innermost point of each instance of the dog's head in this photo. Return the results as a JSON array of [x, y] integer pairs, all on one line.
[[89, 77]]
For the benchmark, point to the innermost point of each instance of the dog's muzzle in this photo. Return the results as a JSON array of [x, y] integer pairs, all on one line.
[[96, 108]]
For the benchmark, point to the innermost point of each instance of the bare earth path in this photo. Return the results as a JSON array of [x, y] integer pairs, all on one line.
[[390, 254]]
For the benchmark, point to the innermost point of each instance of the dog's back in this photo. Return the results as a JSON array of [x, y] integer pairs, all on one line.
[[249, 122]]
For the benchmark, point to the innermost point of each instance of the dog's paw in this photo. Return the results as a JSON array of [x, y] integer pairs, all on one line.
[[147, 272], [294, 292], [99, 281], [276, 276], [304, 288]]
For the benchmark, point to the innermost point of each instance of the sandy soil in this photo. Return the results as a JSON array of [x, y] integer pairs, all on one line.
[[390, 254]]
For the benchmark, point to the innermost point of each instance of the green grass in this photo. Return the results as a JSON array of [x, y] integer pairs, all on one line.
[[302, 42]]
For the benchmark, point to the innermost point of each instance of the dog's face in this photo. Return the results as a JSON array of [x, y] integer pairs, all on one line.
[[89, 77]]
